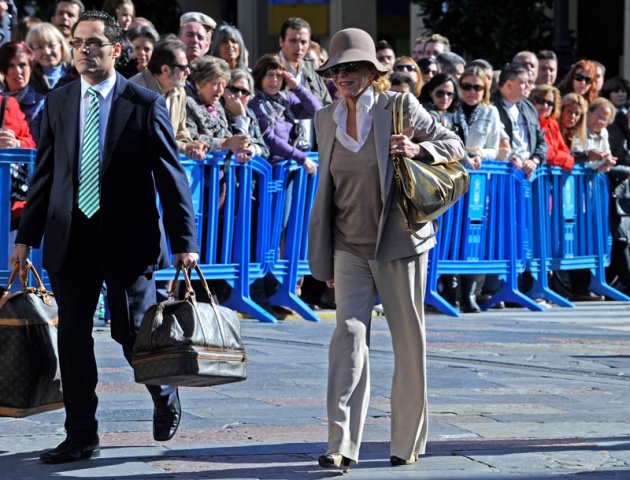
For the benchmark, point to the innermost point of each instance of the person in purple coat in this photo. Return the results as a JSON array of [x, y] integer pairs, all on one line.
[[278, 109]]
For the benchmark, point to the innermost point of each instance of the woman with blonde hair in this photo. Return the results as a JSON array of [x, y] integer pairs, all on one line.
[[546, 100], [572, 121], [52, 56], [358, 244]]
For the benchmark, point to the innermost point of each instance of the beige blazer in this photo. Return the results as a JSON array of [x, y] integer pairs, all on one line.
[[393, 241], [176, 110]]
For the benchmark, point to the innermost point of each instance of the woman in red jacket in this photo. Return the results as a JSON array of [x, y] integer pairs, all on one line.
[[14, 133], [546, 99]]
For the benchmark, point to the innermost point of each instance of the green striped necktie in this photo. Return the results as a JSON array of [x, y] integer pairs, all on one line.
[[89, 195]]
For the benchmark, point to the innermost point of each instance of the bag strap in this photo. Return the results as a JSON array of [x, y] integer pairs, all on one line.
[[398, 111]]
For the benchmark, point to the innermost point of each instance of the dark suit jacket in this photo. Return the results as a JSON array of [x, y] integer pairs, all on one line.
[[537, 143], [139, 157]]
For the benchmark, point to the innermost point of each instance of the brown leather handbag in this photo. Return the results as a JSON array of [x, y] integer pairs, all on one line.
[[30, 379], [189, 343], [425, 190]]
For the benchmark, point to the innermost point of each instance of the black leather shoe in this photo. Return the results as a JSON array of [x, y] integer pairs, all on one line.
[[166, 420], [71, 450], [397, 461], [335, 460]]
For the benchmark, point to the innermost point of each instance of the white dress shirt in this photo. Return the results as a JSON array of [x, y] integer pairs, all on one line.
[[364, 120]]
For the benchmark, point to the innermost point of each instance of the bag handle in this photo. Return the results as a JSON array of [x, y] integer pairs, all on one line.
[[190, 292], [31, 269], [40, 285]]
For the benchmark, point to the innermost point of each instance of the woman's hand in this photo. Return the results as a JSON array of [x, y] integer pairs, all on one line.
[[474, 162], [233, 104], [197, 149], [402, 145], [236, 143], [609, 161], [245, 154], [290, 80], [8, 140], [310, 166]]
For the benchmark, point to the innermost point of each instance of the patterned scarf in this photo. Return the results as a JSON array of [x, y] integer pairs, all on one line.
[[466, 122]]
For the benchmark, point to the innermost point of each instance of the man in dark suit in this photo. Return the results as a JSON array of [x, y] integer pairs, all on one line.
[[106, 147]]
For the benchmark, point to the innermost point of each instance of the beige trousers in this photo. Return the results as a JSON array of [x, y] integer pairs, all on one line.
[[401, 286]]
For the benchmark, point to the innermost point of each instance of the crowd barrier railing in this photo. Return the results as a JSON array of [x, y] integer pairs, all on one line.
[[569, 229], [289, 244], [504, 225], [233, 211], [483, 233], [7, 158]]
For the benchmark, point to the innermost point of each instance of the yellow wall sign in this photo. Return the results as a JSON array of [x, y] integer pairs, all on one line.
[[315, 12]]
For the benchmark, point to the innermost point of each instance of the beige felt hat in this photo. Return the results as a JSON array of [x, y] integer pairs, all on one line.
[[352, 45]]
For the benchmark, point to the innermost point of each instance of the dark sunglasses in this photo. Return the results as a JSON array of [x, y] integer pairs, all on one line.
[[182, 67], [442, 93], [405, 68], [549, 103], [427, 70], [578, 77], [236, 90], [349, 67], [469, 86]]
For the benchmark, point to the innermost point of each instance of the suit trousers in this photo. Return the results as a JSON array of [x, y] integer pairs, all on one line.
[[77, 287], [401, 286]]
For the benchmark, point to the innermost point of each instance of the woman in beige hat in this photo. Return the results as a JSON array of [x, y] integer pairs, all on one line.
[[358, 244]]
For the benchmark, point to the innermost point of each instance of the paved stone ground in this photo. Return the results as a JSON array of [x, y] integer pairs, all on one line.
[[513, 395]]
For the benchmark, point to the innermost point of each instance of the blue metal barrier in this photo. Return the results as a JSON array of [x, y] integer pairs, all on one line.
[[234, 238], [569, 223], [504, 225], [290, 245], [484, 233], [8, 157]]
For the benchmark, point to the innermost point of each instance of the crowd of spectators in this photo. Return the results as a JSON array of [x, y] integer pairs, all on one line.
[[219, 99]]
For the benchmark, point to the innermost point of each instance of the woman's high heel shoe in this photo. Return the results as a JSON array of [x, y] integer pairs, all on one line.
[[397, 461], [335, 460]]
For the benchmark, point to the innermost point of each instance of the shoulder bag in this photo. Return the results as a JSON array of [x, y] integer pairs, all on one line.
[[425, 190]]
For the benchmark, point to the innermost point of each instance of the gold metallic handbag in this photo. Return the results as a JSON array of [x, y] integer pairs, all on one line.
[[425, 190]]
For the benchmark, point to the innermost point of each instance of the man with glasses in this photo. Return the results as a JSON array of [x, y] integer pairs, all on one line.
[[105, 148], [166, 74], [520, 118]]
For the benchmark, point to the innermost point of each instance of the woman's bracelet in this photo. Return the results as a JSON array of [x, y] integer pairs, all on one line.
[[22, 245]]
